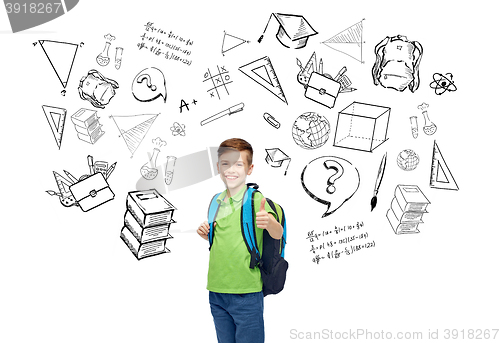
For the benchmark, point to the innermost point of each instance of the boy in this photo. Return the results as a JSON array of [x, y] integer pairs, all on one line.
[[235, 289]]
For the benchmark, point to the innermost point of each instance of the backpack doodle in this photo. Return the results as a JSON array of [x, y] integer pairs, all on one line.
[[397, 63], [270, 260]]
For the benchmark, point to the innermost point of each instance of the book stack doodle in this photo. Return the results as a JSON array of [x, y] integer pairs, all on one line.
[[87, 125], [147, 223], [407, 209]]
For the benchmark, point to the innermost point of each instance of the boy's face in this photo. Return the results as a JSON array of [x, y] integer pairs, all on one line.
[[233, 169]]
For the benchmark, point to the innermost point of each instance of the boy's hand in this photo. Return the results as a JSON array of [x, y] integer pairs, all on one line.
[[262, 217], [204, 229]]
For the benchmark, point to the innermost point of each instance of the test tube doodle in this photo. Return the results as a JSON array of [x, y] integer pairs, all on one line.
[[169, 169]]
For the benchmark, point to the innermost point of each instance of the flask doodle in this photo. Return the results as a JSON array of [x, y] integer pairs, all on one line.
[[149, 84], [342, 181]]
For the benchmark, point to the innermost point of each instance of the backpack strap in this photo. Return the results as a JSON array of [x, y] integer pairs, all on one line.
[[213, 209], [247, 225], [280, 220]]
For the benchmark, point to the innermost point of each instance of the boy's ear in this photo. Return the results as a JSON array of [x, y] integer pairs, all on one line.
[[218, 168], [250, 169]]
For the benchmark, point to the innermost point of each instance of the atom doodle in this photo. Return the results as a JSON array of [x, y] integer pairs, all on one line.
[[443, 83]]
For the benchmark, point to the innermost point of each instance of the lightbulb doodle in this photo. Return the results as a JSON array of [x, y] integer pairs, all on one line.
[[331, 181]]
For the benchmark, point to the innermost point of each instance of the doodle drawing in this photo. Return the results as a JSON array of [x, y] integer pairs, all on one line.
[[293, 32], [275, 158], [349, 42], [414, 126], [262, 72], [407, 160], [407, 209], [87, 125], [310, 130], [149, 170], [169, 169], [233, 109], [65, 196], [134, 128], [429, 127], [178, 129], [147, 223], [271, 120], [230, 42], [103, 58], [149, 84], [331, 181], [441, 176], [118, 57], [97, 89], [442, 83], [61, 56], [222, 79], [397, 63], [380, 175], [56, 117], [362, 126]]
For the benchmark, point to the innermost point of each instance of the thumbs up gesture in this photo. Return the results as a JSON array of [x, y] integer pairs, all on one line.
[[262, 217]]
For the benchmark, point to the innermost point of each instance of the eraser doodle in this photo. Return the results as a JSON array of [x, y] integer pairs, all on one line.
[[149, 84], [331, 181]]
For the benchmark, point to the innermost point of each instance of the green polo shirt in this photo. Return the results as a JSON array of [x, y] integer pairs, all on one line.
[[228, 270]]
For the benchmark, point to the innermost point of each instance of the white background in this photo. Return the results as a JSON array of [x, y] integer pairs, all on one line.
[[66, 276]]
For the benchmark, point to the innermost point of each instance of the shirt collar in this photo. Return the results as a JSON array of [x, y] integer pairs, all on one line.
[[237, 198]]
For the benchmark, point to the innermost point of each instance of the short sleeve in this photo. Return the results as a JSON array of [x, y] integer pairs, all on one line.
[[257, 199]]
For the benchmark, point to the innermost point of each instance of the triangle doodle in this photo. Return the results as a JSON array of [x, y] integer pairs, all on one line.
[[441, 176], [262, 72], [348, 41], [61, 56], [56, 117], [134, 128], [230, 42]]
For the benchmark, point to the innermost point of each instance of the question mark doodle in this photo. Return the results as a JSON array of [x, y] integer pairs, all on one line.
[[63, 92], [146, 77], [331, 164]]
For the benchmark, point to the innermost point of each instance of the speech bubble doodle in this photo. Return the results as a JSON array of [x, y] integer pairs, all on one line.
[[331, 181], [149, 84]]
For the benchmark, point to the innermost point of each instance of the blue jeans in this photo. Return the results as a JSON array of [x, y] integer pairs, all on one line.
[[238, 318]]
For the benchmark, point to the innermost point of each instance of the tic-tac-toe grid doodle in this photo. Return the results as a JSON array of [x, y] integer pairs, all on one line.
[[219, 80]]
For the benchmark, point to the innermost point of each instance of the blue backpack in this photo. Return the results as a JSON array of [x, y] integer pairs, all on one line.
[[271, 260]]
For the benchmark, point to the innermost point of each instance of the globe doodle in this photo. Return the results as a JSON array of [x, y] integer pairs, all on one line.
[[408, 160], [310, 130]]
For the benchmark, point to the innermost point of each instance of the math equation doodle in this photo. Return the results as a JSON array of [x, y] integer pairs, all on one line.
[[169, 45], [325, 244]]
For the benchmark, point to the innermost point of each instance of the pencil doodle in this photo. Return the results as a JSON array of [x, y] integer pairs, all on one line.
[[293, 31], [443, 83], [219, 80], [414, 126], [103, 57], [147, 223], [185, 104], [150, 170], [407, 160], [262, 72], [362, 126], [275, 158], [61, 56], [331, 181], [87, 125], [322, 87], [134, 128], [118, 57], [149, 84], [228, 111], [169, 169], [429, 127], [230, 42], [178, 129], [397, 63], [407, 209], [97, 89], [349, 41], [271, 120], [56, 117], [87, 192], [310, 130], [378, 181], [441, 176]]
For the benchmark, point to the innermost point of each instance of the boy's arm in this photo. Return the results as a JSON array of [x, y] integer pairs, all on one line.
[[267, 221]]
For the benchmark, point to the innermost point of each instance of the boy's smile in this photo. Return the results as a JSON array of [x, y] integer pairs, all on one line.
[[233, 169]]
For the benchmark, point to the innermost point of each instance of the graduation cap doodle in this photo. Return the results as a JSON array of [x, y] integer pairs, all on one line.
[[293, 32], [275, 158]]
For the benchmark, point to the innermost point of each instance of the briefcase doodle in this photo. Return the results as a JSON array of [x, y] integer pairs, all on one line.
[[322, 89], [92, 192]]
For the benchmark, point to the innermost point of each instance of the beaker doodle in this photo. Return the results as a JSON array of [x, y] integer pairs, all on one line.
[[103, 58]]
